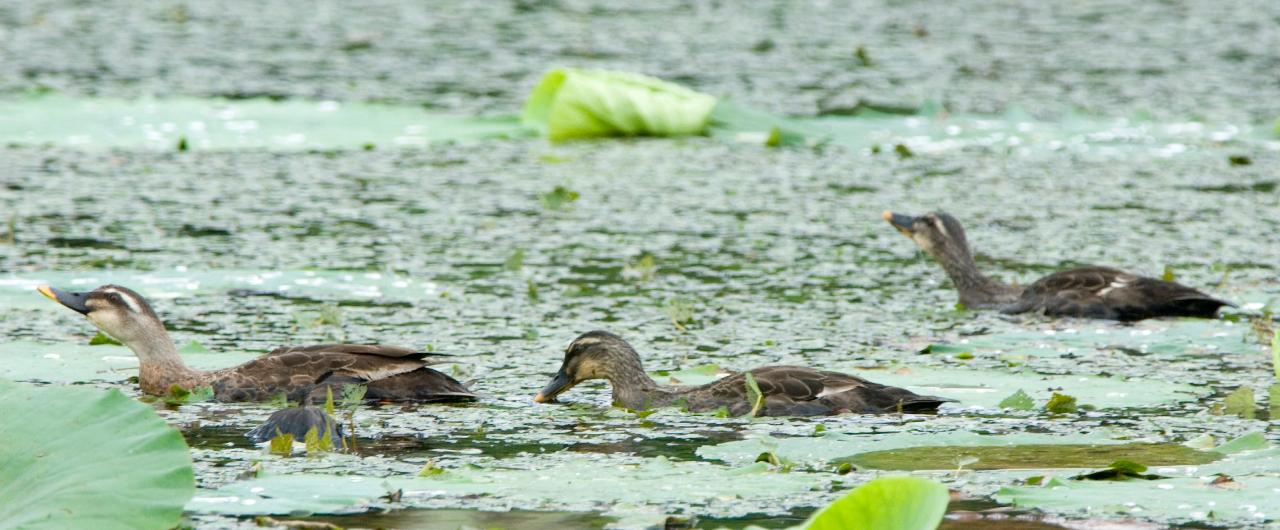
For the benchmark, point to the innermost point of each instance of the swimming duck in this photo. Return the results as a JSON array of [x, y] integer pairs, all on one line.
[[787, 390], [389, 373], [1089, 292]]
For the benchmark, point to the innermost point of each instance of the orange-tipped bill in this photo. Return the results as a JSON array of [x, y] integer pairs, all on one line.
[[901, 222], [73, 301], [557, 386]]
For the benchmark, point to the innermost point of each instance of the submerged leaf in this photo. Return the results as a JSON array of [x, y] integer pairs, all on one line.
[[889, 503], [84, 458]]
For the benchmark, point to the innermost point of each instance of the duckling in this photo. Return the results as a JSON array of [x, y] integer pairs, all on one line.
[[788, 390], [1087, 292], [298, 421], [389, 373]]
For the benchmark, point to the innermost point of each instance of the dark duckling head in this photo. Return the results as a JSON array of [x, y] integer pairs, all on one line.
[[117, 311], [297, 421], [594, 355]]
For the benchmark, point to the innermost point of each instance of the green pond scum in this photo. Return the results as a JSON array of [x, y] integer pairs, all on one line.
[[706, 179]]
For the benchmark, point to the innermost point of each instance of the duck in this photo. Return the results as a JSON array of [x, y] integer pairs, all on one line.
[[786, 390], [301, 373], [1084, 292]]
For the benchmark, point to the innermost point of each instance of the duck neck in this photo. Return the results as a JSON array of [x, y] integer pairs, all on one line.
[[633, 389], [160, 366], [975, 288]]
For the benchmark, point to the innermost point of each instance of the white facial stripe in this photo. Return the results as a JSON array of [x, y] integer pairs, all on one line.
[[128, 299], [942, 227], [586, 340]]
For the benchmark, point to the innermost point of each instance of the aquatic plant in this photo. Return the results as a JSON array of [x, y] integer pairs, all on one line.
[[888, 503], [557, 199], [85, 458]]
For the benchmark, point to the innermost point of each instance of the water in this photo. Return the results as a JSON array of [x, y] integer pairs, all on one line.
[[1056, 141]]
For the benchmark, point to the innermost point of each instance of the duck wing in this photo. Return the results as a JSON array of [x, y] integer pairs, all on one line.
[[364, 349], [1103, 292], [802, 391], [391, 373]]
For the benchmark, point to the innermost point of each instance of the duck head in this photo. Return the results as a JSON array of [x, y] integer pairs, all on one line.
[[936, 233], [593, 355], [117, 311]]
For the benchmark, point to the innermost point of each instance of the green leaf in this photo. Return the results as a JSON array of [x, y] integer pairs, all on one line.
[[352, 396], [555, 200], [1248, 442], [1018, 401], [430, 469], [754, 396], [99, 339], [1120, 470], [1167, 275], [515, 261], [1273, 400], [1061, 404], [1275, 356], [328, 400], [947, 348], [83, 458], [317, 444], [888, 503], [282, 445], [1240, 403], [570, 103], [181, 396], [193, 347]]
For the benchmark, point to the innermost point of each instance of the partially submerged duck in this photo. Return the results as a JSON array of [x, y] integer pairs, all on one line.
[[787, 390], [390, 373], [1089, 292], [297, 421]]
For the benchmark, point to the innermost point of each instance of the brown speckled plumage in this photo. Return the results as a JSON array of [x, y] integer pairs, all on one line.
[[1088, 292], [299, 372], [787, 390]]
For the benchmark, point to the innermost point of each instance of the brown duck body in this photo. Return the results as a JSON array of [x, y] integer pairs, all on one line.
[[787, 390], [803, 391], [1085, 292], [389, 373], [299, 372], [1107, 293]]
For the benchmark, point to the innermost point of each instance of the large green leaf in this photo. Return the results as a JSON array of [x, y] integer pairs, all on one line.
[[888, 503], [84, 458], [572, 103]]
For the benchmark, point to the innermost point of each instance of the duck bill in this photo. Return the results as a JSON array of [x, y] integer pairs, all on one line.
[[558, 385], [901, 222], [73, 301]]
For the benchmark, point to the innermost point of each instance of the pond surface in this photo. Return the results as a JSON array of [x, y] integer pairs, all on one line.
[[384, 194]]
